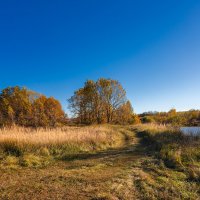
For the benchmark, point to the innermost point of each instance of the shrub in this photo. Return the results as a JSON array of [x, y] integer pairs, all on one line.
[[30, 161], [148, 119], [12, 148], [11, 160], [44, 152]]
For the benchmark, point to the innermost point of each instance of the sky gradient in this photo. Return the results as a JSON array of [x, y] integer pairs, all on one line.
[[151, 47]]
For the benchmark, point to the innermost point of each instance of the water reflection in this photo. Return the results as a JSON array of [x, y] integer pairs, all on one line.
[[190, 130]]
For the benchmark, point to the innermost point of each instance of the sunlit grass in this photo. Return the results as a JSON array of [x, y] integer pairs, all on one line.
[[59, 143], [56, 136]]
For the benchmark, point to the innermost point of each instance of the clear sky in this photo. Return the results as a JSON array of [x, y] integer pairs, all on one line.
[[151, 47]]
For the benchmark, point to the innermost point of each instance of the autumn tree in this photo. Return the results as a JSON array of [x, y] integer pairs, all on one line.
[[100, 101], [112, 95], [127, 115], [124, 114], [53, 112], [39, 117], [27, 108], [83, 103], [15, 105], [47, 112]]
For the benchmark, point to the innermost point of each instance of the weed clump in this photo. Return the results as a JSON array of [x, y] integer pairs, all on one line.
[[10, 160], [31, 161]]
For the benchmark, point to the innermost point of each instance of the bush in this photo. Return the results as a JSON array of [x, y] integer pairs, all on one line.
[[148, 119], [10, 160], [30, 160], [44, 152], [12, 148]]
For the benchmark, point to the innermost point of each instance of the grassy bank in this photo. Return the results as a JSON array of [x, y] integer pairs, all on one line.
[[178, 151], [38, 147]]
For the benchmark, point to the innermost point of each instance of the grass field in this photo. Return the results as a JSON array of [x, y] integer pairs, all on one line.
[[98, 163], [38, 147]]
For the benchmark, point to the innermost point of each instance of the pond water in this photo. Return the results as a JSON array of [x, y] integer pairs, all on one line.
[[190, 130]]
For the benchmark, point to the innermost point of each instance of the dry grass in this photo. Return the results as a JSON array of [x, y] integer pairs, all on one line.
[[152, 127], [56, 136], [58, 143], [105, 175]]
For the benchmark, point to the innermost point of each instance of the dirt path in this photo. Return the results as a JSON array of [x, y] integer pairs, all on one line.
[[105, 175]]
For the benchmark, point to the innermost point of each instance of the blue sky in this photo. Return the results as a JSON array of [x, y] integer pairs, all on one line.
[[151, 47]]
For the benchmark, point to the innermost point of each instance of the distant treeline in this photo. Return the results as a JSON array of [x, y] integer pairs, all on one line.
[[186, 118], [99, 102], [23, 107]]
